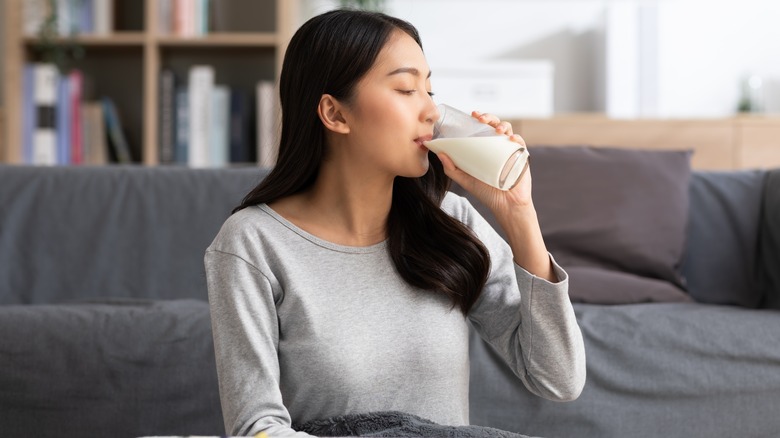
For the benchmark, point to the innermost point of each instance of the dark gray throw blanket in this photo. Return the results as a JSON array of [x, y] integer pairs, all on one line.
[[395, 424], [769, 241]]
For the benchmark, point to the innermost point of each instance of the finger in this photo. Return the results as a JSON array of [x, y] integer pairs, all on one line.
[[517, 139], [452, 171], [504, 128], [490, 119]]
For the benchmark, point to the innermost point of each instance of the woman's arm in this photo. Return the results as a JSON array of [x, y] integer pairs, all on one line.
[[524, 311], [513, 209], [246, 336], [529, 320]]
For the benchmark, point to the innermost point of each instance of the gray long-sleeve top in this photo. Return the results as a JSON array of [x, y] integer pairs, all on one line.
[[307, 329]]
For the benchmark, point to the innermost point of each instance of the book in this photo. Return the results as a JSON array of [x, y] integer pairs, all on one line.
[[201, 85], [94, 134], [242, 143], [219, 152], [116, 136], [63, 121], [44, 139], [75, 81], [181, 154], [103, 16], [266, 124], [29, 116], [165, 17]]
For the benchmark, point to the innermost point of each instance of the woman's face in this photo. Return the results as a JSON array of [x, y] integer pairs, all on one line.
[[392, 111]]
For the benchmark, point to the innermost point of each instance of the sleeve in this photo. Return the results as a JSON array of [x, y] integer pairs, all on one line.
[[529, 321], [246, 338]]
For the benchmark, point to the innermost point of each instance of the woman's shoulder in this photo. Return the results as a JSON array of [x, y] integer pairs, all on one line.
[[240, 227]]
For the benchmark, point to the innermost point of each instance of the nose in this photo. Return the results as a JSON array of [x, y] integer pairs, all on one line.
[[431, 113]]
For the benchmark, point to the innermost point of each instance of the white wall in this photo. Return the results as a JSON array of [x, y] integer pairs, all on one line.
[[706, 47], [687, 58]]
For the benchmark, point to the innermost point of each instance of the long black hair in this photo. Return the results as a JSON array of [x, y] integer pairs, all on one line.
[[329, 54]]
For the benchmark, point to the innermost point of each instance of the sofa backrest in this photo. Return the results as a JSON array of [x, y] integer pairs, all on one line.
[[720, 262], [80, 233]]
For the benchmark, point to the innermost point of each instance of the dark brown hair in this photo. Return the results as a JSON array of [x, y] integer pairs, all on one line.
[[329, 54]]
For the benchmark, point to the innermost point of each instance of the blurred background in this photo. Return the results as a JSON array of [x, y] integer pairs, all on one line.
[[625, 58]]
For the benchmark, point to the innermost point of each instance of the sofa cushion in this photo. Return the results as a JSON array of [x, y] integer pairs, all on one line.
[[72, 232], [618, 212], [720, 256], [122, 369], [605, 286], [769, 245]]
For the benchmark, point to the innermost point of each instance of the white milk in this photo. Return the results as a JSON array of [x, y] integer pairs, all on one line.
[[494, 160]]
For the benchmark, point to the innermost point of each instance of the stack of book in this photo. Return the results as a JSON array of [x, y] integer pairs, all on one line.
[[183, 17], [61, 127], [205, 124], [69, 17]]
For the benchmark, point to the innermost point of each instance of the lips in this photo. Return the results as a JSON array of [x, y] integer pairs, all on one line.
[[422, 139]]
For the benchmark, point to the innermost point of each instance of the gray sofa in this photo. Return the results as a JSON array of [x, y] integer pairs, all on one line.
[[105, 331]]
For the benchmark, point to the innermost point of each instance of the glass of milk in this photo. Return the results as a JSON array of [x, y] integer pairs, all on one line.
[[477, 149]]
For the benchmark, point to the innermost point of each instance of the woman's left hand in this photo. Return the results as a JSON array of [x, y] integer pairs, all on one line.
[[499, 201]]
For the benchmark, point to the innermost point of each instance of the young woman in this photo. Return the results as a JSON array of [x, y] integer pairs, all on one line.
[[345, 281]]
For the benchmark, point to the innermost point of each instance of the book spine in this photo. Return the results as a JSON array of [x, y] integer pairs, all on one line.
[[75, 80], [220, 136], [266, 124], [87, 16], [63, 17], [103, 16], [181, 155], [201, 84], [115, 134], [165, 17], [45, 100], [204, 17], [30, 119], [98, 150], [241, 147], [62, 125]]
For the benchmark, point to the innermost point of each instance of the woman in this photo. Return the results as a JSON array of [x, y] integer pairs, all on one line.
[[345, 281]]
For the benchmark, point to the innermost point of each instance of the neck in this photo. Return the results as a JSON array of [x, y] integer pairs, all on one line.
[[354, 203]]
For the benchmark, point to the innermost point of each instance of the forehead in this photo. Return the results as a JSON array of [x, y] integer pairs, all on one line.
[[400, 51]]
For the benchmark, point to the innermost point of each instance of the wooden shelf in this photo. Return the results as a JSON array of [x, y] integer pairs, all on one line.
[[223, 39], [114, 39], [126, 64]]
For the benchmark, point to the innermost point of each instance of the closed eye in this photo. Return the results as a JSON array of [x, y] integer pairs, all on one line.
[[410, 92]]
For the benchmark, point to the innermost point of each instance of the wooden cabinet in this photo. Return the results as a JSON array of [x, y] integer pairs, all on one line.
[[718, 144], [245, 44]]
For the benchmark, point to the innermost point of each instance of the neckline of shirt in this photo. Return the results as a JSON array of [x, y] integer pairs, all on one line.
[[319, 241]]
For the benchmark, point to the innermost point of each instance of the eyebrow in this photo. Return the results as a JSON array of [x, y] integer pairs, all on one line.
[[410, 70]]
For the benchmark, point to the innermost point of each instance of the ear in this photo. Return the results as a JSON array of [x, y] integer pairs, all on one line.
[[330, 112]]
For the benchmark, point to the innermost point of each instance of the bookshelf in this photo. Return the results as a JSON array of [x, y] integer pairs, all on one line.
[[245, 44]]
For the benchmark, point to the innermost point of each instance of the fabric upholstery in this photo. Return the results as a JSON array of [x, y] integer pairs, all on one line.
[[69, 233], [603, 286], [616, 213], [118, 369], [769, 244], [672, 370], [720, 259]]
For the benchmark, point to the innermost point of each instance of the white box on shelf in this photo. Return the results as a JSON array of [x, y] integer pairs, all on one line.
[[508, 89]]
